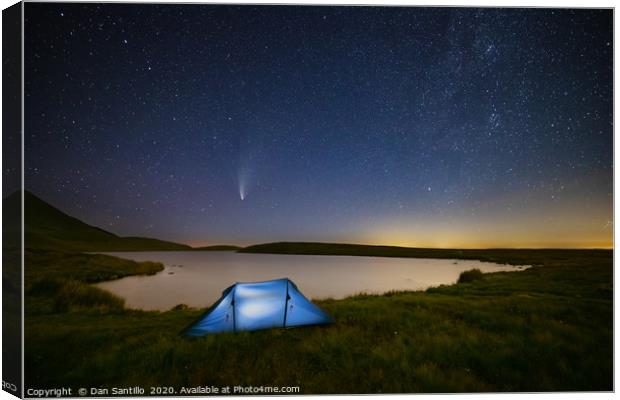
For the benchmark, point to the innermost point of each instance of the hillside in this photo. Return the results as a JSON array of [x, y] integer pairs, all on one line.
[[46, 227]]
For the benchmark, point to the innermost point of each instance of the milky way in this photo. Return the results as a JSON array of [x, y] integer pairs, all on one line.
[[412, 126]]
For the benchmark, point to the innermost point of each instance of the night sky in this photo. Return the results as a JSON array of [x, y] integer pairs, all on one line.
[[440, 127]]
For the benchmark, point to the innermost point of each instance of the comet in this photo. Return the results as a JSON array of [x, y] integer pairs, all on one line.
[[243, 181], [242, 190], [249, 157]]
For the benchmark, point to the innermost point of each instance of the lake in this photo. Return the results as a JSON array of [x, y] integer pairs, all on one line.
[[197, 278]]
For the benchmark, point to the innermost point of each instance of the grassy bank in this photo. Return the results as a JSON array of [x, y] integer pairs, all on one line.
[[58, 281], [83, 267], [546, 328]]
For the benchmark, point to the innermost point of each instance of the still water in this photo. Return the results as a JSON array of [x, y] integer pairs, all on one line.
[[197, 278]]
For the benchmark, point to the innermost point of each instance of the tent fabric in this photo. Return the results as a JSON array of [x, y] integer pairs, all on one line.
[[259, 305]]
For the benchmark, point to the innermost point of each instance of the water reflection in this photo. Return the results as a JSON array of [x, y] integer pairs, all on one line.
[[198, 278]]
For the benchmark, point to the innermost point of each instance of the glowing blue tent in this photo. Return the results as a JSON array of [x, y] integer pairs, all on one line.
[[259, 305]]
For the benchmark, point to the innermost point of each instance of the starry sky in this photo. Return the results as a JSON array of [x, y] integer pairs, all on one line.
[[213, 124]]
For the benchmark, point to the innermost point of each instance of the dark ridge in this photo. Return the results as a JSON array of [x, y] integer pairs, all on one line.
[[502, 256], [47, 227]]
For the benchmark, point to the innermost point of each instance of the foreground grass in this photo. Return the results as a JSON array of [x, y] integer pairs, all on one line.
[[548, 328]]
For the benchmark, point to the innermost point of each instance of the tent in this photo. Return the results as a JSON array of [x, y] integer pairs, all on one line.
[[259, 305]]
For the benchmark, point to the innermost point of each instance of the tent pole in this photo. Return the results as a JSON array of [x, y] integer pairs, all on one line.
[[233, 306], [285, 306]]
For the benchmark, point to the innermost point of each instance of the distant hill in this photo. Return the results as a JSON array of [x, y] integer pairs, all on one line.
[[219, 247], [46, 227], [509, 256], [345, 249]]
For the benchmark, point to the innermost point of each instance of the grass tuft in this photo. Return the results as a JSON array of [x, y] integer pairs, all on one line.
[[71, 295], [470, 276], [74, 295]]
